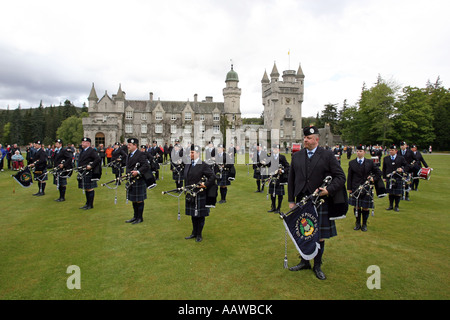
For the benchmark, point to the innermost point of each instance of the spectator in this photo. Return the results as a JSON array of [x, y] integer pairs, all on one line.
[[109, 154], [2, 156], [17, 160]]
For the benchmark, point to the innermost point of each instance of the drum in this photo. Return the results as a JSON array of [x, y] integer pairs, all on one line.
[[424, 173], [338, 157], [376, 160], [295, 147]]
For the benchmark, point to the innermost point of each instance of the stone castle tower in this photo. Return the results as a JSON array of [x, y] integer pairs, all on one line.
[[282, 102]]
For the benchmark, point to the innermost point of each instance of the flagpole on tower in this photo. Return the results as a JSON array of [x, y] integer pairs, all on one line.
[[289, 59]]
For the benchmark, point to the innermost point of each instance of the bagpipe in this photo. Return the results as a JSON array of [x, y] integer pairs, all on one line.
[[83, 171], [191, 192], [280, 177], [61, 172], [220, 170], [366, 189], [301, 222], [148, 177]]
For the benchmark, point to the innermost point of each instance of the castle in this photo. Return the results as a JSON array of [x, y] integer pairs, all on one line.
[[114, 119]]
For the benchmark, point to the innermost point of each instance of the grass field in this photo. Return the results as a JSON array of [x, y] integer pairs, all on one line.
[[240, 257]]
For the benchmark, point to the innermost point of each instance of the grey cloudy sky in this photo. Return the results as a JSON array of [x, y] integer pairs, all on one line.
[[53, 50]]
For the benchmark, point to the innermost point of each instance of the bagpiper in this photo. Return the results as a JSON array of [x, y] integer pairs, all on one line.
[[89, 172], [278, 171], [62, 160], [39, 162], [137, 166], [393, 175], [361, 173]]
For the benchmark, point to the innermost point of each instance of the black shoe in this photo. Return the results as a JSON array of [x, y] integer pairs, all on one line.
[[364, 228], [190, 237], [137, 221], [272, 210], [396, 209], [84, 207], [390, 208], [39, 194], [407, 199], [303, 265], [257, 191], [60, 200], [319, 273], [198, 239], [131, 220], [357, 226]]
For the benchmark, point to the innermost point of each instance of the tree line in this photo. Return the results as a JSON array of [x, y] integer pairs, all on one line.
[[23, 126], [387, 113]]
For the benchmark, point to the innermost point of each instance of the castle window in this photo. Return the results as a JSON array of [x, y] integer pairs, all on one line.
[[129, 115], [174, 117], [216, 128], [187, 116], [143, 128], [143, 116], [173, 128], [158, 128], [281, 133], [128, 128], [216, 117], [281, 123], [158, 115], [202, 117], [188, 128]]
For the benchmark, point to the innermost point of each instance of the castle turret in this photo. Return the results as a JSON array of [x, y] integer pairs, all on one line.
[[93, 99], [232, 98]]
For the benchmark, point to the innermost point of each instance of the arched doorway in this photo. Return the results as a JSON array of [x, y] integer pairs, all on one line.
[[99, 139]]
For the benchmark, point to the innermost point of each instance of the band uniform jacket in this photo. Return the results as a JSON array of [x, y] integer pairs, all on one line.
[[273, 167], [390, 166], [193, 174], [138, 157], [409, 158], [39, 159], [64, 154], [305, 178], [420, 160], [358, 173], [89, 156]]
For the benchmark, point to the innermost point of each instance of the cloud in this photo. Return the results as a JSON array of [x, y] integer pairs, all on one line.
[[54, 50]]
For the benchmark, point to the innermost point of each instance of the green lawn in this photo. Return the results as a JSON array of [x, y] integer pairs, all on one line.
[[241, 256]]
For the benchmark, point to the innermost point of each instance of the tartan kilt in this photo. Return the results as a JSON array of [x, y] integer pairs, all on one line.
[[137, 191], [327, 227], [397, 186], [279, 188], [86, 183], [224, 181], [202, 211], [62, 181], [41, 175], [364, 201]]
